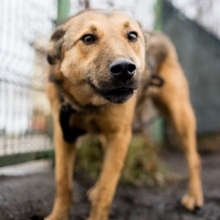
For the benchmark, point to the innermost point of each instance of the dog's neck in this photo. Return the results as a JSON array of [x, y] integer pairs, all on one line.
[[78, 107], [69, 100]]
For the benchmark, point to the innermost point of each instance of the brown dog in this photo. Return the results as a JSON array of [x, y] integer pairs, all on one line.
[[97, 75]]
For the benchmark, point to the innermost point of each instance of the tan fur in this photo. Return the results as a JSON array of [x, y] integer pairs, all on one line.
[[173, 101], [74, 64]]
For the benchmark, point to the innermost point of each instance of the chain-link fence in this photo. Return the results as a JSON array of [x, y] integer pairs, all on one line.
[[24, 110]]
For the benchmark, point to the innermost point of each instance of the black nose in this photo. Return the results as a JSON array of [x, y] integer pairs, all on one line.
[[122, 69]]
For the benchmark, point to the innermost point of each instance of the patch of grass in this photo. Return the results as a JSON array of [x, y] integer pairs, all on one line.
[[142, 166]]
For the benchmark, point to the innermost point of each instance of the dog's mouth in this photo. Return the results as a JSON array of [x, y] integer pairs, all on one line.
[[119, 95], [115, 95]]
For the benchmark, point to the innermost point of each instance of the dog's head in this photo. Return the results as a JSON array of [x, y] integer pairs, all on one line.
[[102, 50]]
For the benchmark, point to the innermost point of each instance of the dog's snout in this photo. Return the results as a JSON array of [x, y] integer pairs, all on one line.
[[122, 69]]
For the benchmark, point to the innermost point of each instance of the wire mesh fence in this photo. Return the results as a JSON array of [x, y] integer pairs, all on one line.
[[24, 110]]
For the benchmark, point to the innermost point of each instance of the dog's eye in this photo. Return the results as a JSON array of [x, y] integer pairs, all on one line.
[[89, 39], [132, 36]]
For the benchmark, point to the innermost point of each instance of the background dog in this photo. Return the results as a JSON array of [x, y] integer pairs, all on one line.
[[98, 77]]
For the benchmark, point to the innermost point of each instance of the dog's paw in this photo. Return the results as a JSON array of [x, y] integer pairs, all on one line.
[[192, 202], [48, 218], [55, 218], [92, 194]]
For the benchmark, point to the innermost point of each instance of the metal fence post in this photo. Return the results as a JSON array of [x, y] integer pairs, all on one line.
[[158, 133], [158, 15], [63, 10]]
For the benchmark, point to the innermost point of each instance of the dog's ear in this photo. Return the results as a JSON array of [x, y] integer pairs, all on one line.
[[55, 45]]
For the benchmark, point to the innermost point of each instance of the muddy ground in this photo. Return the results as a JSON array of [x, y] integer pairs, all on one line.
[[30, 197]]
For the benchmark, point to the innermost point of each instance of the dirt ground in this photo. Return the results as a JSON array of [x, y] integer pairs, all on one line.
[[30, 197]]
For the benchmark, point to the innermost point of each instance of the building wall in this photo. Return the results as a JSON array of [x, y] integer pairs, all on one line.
[[199, 54]]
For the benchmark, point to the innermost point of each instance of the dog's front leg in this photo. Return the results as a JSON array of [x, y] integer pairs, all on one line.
[[103, 192], [64, 159]]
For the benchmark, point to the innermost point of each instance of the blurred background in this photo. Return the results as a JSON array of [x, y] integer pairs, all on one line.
[[25, 27]]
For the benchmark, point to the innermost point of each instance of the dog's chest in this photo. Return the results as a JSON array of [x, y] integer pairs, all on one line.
[[75, 124], [88, 123]]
